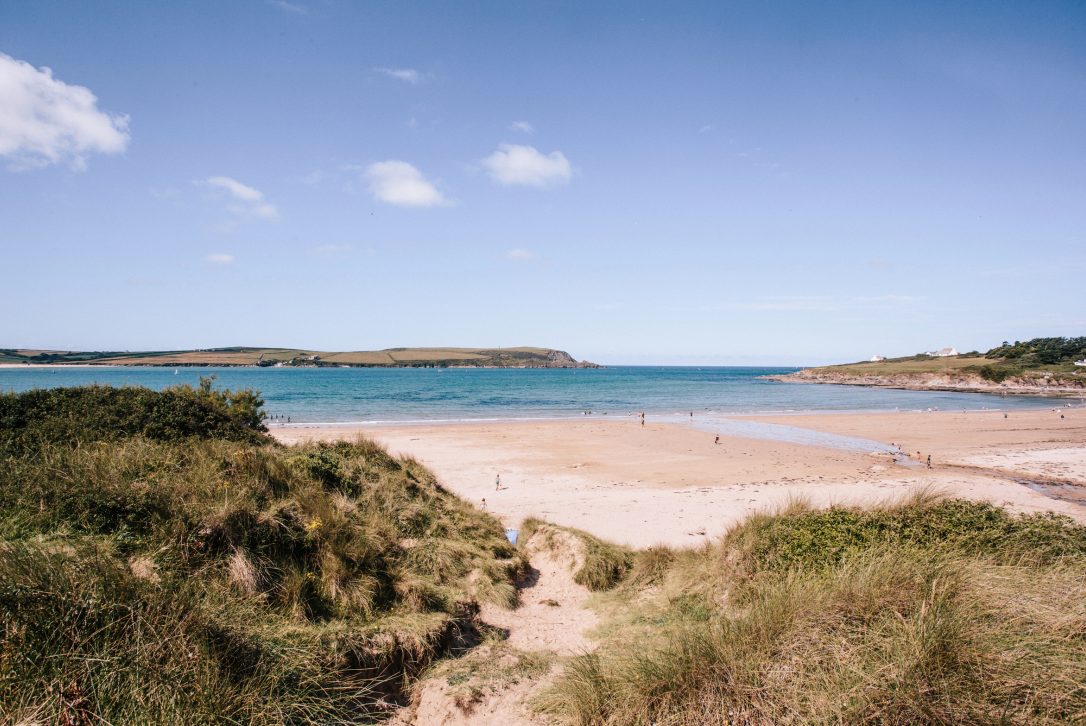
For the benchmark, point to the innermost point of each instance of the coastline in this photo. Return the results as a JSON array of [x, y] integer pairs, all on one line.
[[942, 383], [670, 483]]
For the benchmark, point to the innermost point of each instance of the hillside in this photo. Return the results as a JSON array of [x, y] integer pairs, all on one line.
[[1042, 366], [163, 561], [525, 357]]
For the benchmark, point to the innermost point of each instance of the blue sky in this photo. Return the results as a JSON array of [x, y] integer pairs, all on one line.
[[635, 183]]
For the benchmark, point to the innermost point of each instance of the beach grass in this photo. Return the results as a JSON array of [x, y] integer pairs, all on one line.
[[177, 566], [925, 611]]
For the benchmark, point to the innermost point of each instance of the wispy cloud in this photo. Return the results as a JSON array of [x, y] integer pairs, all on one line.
[[517, 165], [44, 121], [332, 249], [220, 258], [397, 182], [296, 8], [521, 255], [243, 199], [705, 129], [407, 75], [522, 126]]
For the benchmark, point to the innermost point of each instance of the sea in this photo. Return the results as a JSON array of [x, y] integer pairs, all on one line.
[[432, 395]]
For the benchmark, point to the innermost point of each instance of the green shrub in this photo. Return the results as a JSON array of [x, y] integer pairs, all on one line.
[[104, 413]]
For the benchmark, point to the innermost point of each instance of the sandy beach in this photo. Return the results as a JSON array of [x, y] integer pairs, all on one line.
[[670, 483]]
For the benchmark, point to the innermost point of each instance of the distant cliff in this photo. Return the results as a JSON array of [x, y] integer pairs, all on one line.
[[525, 357]]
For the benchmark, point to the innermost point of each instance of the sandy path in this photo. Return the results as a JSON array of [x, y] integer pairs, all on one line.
[[552, 618]]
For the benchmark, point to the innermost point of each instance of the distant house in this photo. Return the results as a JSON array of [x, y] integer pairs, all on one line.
[[877, 358], [1081, 362], [942, 352]]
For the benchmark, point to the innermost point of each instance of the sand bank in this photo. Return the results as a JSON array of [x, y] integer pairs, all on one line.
[[671, 483]]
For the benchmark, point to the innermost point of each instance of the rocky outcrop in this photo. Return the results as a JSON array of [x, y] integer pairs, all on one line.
[[562, 359], [1025, 385]]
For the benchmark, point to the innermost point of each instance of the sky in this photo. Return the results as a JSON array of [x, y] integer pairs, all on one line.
[[644, 183]]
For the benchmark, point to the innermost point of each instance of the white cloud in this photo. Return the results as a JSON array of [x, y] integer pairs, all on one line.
[[525, 165], [399, 183], [519, 255], [705, 129], [408, 75], [522, 126], [220, 258], [246, 199], [44, 121], [296, 8]]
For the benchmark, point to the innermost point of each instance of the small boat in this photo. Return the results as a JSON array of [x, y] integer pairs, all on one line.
[[176, 371]]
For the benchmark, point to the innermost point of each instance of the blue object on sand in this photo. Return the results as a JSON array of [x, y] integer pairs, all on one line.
[[511, 535]]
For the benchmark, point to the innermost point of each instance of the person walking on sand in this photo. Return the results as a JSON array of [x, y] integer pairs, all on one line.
[[484, 504], [497, 482], [929, 461]]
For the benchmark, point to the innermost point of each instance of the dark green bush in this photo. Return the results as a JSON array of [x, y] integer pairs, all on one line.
[[104, 413]]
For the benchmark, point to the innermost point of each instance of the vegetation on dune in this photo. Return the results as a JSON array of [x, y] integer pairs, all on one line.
[[175, 566], [927, 611], [96, 413]]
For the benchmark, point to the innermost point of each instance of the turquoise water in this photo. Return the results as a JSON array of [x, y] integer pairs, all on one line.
[[457, 394]]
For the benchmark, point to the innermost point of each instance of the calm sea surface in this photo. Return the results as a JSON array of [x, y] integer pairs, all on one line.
[[432, 394]]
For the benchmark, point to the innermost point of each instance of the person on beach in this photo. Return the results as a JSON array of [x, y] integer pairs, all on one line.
[[497, 482], [717, 440], [484, 504], [929, 461]]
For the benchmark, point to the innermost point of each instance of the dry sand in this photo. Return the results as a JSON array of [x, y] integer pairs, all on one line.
[[670, 483]]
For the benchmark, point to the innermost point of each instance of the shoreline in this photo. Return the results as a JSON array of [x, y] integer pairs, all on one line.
[[677, 418], [988, 388]]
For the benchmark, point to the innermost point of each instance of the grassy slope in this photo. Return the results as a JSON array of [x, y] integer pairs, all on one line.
[[906, 365], [927, 612], [1024, 362], [250, 356], [162, 570]]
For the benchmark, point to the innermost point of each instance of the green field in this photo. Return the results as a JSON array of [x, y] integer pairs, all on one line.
[[1032, 359]]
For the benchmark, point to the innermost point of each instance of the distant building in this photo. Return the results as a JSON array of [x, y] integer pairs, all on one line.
[[1081, 362], [942, 352], [877, 358]]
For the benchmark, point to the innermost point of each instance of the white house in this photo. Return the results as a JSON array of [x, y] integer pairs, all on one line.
[[1081, 362], [877, 358], [942, 352]]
